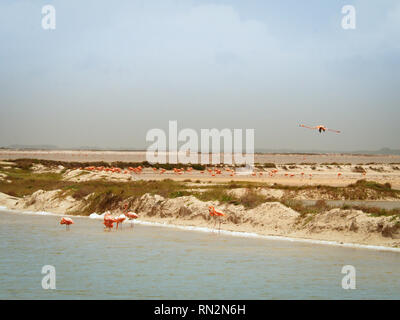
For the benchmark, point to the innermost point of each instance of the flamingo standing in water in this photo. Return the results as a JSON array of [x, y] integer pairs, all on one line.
[[131, 215], [215, 213], [108, 221], [121, 218], [67, 222]]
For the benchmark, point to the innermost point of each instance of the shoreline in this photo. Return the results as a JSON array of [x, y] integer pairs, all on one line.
[[241, 234]]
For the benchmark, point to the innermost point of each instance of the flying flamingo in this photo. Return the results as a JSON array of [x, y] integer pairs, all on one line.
[[215, 213], [67, 222], [320, 128]]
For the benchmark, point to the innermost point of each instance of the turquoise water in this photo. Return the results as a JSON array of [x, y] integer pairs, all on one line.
[[149, 262]]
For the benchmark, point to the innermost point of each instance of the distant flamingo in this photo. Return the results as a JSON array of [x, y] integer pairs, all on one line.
[[67, 222], [320, 128]]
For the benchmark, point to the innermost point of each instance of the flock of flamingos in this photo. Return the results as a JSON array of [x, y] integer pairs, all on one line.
[[109, 220], [212, 172]]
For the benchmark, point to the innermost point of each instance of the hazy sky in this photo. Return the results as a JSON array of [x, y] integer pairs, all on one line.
[[112, 70]]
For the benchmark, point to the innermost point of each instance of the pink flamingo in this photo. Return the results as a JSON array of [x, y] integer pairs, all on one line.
[[121, 218], [67, 222], [108, 221], [131, 215], [215, 213]]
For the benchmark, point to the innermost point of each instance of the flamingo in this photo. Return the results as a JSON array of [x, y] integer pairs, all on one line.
[[108, 221], [131, 215], [67, 222], [121, 218], [215, 213], [320, 128]]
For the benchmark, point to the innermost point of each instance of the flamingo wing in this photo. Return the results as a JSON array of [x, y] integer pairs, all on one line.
[[336, 131], [304, 126]]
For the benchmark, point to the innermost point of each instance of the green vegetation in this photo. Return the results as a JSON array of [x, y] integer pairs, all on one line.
[[321, 206], [358, 169], [296, 205], [24, 182], [269, 165], [376, 212], [361, 190], [26, 164]]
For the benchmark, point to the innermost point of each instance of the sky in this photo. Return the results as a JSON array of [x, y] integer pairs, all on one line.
[[113, 70]]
